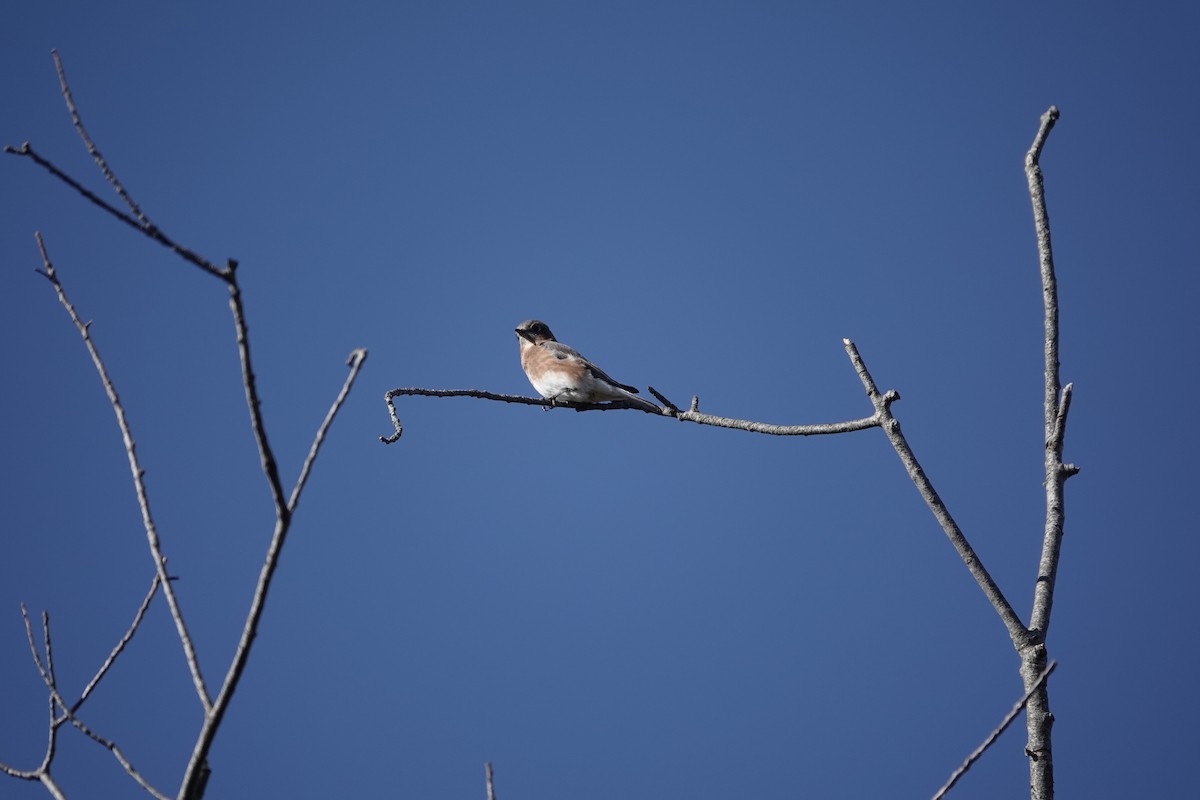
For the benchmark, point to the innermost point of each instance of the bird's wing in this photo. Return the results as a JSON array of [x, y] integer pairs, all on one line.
[[563, 352]]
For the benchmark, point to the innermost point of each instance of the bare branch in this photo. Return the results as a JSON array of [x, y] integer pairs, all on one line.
[[120, 647], [141, 223], [266, 455], [197, 772], [48, 678], [819, 429], [135, 468], [891, 427], [154, 233], [1056, 405], [355, 362], [51, 786], [111, 746], [197, 769], [995, 734], [91, 147], [504, 398], [46, 644], [56, 700], [491, 788], [671, 410]]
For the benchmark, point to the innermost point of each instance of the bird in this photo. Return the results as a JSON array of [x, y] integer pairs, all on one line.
[[560, 373]]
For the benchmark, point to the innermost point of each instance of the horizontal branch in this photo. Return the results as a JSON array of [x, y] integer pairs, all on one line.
[[485, 395], [818, 429], [691, 415]]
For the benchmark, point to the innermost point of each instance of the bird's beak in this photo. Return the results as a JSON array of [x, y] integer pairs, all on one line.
[[524, 334]]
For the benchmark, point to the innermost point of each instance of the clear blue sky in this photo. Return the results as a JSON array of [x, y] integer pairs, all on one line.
[[701, 197]]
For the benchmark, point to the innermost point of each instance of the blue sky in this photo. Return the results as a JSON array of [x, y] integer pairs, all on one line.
[[702, 197]]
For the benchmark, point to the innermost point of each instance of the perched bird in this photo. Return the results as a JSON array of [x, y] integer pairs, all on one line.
[[560, 373]]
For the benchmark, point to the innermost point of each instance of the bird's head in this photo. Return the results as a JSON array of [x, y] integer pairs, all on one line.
[[535, 331]]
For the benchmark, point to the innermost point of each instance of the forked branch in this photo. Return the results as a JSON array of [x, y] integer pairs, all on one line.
[[214, 709]]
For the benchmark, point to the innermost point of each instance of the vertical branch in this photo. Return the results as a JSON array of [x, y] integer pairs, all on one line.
[[978, 752], [1056, 401], [1056, 404], [265, 454]]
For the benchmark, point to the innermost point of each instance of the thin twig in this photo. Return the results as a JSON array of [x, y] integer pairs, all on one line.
[[112, 747], [491, 787], [196, 772], [138, 474], [90, 145], [120, 647], [995, 734], [139, 220], [55, 722], [250, 385], [56, 699], [891, 428], [819, 429], [157, 235], [355, 362], [49, 649]]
